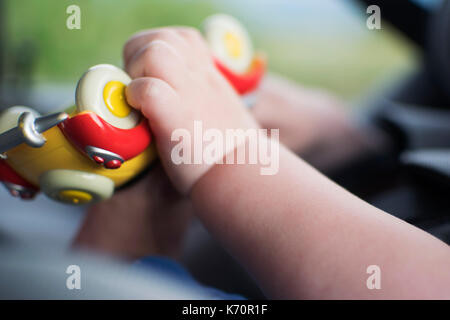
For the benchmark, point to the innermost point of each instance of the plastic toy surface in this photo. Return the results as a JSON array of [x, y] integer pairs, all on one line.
[[234, 55], [80, 156]]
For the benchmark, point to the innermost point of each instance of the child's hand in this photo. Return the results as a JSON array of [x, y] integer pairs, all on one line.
[[295, 231], [177, 84]]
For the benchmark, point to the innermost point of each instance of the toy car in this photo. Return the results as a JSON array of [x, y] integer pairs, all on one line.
[[80, 156], [234, 55]]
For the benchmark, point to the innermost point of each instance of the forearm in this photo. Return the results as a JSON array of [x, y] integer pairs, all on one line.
[[302, 236], [313, 123], [297, 232]]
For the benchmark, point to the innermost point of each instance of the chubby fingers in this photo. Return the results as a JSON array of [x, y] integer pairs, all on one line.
[[155, 98], [166, 53], [180, 37], [141, 39], [159, 59], [195, 40]]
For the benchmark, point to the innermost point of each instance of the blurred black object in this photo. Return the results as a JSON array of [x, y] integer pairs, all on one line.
[[406, 16], [410, 176], [439, 47], [428, 28]]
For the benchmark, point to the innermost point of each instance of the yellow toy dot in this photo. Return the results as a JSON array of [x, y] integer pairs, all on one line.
[[74, 196], [114, 97], [233, 45]]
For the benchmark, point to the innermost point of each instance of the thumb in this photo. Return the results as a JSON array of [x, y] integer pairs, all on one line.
[[154, 97]]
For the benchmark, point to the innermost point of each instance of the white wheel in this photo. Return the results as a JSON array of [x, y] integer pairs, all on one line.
[[9, 118], [76, 187], [102, 90], [229, 42]]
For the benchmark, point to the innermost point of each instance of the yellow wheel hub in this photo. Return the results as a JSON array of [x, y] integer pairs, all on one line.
[[74, 196], [233, 45], [114, 97]]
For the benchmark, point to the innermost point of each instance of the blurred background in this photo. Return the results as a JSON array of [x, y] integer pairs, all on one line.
[[321, 43]]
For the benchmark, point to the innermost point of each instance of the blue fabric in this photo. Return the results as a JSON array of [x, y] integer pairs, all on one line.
[[176, 271]]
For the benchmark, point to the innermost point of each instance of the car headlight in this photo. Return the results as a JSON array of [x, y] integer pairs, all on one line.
[[102, 90], [229, 42]]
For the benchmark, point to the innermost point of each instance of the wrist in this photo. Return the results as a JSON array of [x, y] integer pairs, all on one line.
[[217, 165], [193, 152], [237, 165]]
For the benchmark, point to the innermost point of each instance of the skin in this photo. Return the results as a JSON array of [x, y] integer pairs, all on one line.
[[147, 218], [298, 233], [148, 231], [300, 111], [317, 241], [313, 123]]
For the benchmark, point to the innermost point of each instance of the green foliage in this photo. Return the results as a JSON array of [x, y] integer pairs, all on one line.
[[39, 43], [63, 54], [346, 66]]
